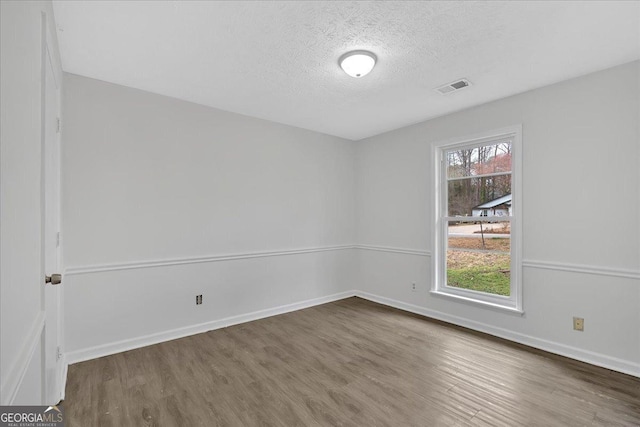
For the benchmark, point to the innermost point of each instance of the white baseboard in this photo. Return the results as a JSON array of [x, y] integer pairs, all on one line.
[[598, 359], [593, 358], [63, 377], [143, 341], [12, 382]]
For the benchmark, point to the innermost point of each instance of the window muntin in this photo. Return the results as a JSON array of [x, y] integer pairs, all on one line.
[[475, 255]]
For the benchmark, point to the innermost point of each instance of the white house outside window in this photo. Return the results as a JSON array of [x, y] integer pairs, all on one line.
[[478, 238]]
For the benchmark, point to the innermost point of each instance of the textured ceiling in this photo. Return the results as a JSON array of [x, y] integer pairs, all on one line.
[[278, 60]]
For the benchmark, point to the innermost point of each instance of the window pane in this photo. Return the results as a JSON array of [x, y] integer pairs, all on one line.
[[486, 196], [487, 159], [478, 257]]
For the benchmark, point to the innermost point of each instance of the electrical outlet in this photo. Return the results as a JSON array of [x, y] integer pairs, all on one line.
[[413, 287], [198, 299], [578, 324]]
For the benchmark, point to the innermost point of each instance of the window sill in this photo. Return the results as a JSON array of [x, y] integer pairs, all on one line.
[[484, 304]]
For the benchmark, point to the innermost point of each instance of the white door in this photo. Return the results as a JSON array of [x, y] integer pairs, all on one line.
[[52, 364]]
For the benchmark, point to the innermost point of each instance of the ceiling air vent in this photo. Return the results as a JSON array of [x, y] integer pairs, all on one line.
[[454, 86]]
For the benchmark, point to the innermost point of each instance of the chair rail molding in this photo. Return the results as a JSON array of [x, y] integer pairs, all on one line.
[[72, 271], [581, 268]]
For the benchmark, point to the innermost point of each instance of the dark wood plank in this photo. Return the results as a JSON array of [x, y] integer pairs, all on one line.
[[348, 363]]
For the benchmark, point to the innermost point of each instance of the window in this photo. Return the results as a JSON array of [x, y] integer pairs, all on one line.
[[477, 240]]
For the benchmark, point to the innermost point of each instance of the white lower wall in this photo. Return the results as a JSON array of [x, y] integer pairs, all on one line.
[[116, 310], [241, 293], [29, 390], [552, 297]]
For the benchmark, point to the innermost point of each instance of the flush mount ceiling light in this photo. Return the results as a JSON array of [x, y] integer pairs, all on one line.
[[357, 63]]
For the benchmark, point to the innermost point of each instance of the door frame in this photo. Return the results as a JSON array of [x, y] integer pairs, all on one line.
[[50, 59]]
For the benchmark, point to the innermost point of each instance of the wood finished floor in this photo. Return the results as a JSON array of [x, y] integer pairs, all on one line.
[[350, 363]]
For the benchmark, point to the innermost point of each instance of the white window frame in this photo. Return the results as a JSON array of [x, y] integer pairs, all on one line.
[[512, 303]]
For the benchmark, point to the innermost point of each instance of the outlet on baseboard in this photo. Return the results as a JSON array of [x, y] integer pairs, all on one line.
[[578, 324], [198, 299], [413, 287]]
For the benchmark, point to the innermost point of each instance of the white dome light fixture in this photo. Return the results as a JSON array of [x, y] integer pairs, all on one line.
[[357, 63]]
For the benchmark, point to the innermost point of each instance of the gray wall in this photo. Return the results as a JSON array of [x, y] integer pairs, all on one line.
[[581, 236], [163, 200], [156, 191]]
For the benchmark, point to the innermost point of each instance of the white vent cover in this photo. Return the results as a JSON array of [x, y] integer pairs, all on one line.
[[454, 86]]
